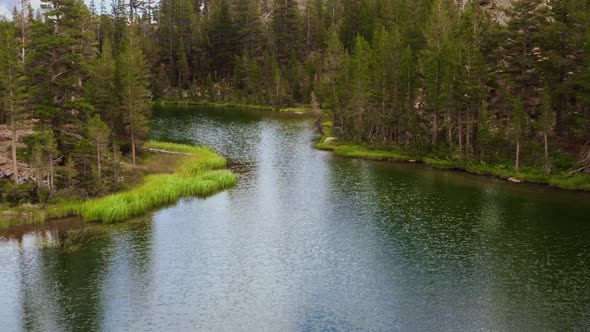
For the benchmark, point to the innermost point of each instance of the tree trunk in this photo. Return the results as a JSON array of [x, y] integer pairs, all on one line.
[[460, 124], [115, 150], [13, 146], [308, 33], [547, 166], [450, 133], [13, 142], [98, 159], [51, 173], [435, 128], [39, 182], [133, 147], [473, 132], [468, 148], [517, 162]]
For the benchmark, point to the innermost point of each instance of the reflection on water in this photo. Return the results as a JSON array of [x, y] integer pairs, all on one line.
[[308, 241]]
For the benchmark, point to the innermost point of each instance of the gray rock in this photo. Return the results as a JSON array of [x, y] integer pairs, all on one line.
[[515, 180], [330, 140]]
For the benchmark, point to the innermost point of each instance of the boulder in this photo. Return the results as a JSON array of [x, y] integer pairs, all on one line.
[[515, 180], [330, 140]]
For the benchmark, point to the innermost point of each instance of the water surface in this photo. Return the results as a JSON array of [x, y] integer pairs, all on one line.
[[308, 241]]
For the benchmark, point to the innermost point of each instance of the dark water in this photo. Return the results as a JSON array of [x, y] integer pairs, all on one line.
[[311, 242]]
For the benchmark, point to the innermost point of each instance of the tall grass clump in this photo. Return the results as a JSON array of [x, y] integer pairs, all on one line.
[[198, 175]]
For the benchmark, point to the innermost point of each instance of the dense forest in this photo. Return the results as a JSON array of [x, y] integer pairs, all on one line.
[[480, 81]]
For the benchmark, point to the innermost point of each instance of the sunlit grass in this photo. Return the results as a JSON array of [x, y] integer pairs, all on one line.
[[358, 151], [198, 175]]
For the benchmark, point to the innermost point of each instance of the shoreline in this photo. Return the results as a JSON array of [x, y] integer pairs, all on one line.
[[198, 171], [298, 110], [575, 182]]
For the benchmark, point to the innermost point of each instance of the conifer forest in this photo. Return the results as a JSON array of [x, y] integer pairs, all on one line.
[[501, 83]]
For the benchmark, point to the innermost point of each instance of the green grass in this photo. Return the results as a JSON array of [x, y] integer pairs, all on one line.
[[200, 174], [217, 104], [359, 151], [563, 180], [299, 109], [242, 105]]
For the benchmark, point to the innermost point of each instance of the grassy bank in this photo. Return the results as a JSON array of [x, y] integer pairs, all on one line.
[[563, 180], [199, 173], [299, 109]]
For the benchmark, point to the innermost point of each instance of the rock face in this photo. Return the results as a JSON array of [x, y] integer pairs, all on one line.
[[496, 7], [26, 172]]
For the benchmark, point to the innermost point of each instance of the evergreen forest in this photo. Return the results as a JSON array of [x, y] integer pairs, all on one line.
[[500, 83]]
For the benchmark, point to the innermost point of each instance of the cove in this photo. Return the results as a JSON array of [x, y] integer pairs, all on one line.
[[309, 241]]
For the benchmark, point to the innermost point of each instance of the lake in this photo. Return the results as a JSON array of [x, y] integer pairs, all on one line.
[[308, 241]]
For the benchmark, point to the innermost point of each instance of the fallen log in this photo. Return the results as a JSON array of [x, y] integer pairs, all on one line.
[[578, 170], [169, 152]]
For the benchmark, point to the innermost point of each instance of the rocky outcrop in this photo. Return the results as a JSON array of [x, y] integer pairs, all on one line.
[[496, 8], [26, 172]]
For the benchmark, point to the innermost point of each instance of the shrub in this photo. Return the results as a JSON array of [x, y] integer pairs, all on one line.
[[17, 194]]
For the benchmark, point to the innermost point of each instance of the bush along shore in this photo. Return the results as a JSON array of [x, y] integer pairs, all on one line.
[[570, 180], [200, 172]]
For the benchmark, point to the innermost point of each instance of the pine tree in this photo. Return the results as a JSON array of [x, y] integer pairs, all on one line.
[[286, 30], [473, 27], [522, 50], [13, 91], [183, 68], [382, 70], [71, 172], [250, 31], [547, 126], [332, 66], [134, 93], [388, 93], [563, 40], [582, 126], [434, 60], [98, 133], [519, 123], [356, 20], [333, 10], [360, 77], [276, 76], [178, 34], [43, 152], [223, 39], [62, 43], [315, 29], [100, 89]]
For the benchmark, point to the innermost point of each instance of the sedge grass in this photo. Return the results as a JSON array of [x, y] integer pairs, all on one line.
[[200, 174]]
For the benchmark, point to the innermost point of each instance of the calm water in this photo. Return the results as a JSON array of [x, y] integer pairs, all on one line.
[[311, 242]]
